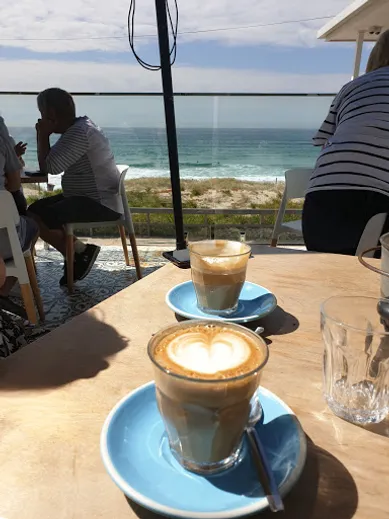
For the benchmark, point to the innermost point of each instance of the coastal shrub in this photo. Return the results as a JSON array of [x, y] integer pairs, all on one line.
[[156, 193], [196, 192]]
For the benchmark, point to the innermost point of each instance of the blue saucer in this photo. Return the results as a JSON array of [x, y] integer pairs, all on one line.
[[136, 454], [254, 302]]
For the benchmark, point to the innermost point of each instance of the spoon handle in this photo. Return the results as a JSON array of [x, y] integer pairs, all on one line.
[[265, 473]]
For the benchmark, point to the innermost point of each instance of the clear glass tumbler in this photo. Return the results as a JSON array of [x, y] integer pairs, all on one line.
[[356, 357], [218, 273]]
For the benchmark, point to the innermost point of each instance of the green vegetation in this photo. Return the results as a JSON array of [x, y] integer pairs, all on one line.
[[156, 193]]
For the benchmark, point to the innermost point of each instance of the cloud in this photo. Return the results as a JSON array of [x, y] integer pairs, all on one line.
[[57, 20], [119, 77]]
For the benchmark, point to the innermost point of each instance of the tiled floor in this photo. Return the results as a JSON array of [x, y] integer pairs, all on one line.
[[108, 276]]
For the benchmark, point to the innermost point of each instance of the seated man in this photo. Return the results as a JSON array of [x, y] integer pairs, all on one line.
[[90, 182]]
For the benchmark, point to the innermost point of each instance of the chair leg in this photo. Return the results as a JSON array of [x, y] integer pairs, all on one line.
[[70, 261], [34, 285], [124, 244], [33, 260], [274, 242], [135, 255], [28, 303]]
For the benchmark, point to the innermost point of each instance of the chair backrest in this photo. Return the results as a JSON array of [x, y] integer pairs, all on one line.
[[9, 219], [122, 190], [296, 181], [8, 212], [371, 234]]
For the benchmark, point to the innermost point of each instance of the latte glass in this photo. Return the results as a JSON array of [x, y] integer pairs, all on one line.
[[205, 418], [218, 273]]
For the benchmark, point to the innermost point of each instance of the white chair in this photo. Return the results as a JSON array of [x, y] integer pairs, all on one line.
[[22, 264], [371, 234], [124, 224], [296, 181]]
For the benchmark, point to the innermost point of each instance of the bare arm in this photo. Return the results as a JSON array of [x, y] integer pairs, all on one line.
[[13, 182], [12, 168], [43, 147]]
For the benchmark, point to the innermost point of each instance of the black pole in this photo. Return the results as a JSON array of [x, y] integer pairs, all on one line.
[[170, 118]]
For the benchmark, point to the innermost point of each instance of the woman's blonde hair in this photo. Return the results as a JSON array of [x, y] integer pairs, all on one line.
[[379, 56]]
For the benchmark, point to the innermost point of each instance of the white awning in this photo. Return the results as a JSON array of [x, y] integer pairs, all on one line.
[[368, 16]]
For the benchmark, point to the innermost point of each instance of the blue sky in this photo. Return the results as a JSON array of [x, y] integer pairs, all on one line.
[[81, 45]]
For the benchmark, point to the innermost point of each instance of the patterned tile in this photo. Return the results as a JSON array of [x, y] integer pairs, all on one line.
[[108, 276]]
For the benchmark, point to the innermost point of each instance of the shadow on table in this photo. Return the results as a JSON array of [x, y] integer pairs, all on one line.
[[382, 428], [325, 489], [278, 322], [80, 349], [266, 249]]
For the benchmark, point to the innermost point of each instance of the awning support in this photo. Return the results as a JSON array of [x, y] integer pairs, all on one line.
[[358, 54]]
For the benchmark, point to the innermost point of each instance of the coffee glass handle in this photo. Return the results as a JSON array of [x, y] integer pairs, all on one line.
[[368, 266]]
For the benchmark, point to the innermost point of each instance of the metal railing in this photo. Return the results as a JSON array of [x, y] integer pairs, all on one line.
[[211, 226], [179, 94]]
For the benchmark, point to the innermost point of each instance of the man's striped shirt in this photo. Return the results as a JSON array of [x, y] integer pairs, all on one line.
[[355, 136], [84, 155]]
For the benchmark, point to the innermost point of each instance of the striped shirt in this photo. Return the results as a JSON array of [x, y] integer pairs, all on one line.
[[84, 156], [355, 136]]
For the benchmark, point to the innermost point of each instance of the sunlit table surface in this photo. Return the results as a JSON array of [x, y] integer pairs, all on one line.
[[56, 393]]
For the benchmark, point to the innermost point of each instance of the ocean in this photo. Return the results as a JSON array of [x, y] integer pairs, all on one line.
[[241, 153]]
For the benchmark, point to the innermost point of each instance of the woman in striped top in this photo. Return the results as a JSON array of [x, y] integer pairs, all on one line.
[[350, 183]]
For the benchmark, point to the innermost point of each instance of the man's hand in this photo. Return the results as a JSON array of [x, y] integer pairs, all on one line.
[[20, 148], [44, 127]]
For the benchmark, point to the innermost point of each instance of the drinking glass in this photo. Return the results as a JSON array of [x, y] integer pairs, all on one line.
[[356, 357], [218, 270], [205, 418], [384, 270]]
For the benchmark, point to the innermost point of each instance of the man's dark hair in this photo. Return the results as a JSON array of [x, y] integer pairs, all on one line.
[[58, 100]]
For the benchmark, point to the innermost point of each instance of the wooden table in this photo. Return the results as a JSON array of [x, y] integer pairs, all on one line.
[[41, 179], [56, 393]]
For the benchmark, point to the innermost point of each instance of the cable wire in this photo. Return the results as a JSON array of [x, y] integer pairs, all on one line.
[[173, 29], [182, 33]]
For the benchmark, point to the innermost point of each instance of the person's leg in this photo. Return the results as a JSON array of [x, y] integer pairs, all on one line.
[[53, 216], [334, 220], [45, 213], [78, 209]]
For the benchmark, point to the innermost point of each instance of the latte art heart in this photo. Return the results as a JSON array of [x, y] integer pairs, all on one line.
[[201, 353]]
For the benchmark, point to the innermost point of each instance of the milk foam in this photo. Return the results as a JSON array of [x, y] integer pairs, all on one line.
[[204, 354], [219, 255]]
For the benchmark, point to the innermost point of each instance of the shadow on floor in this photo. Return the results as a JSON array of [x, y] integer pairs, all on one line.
[[108, 276]]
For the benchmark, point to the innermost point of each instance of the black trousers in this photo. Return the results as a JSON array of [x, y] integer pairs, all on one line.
[[56, 211], [334, 220]]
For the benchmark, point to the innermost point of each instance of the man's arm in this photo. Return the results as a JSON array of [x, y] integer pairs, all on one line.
[[44, 129], [43, 147], [67, 151]]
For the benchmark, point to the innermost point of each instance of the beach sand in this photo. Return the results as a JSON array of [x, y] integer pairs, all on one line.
[[220, 193], [226, 193]]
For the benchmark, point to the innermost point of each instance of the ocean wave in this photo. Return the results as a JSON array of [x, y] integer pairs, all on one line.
[[245, 172], [154, 165]]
